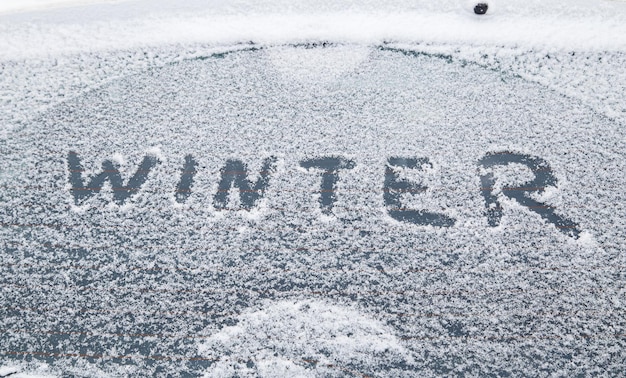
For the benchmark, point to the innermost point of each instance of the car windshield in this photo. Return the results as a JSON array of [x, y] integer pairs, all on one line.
[[328, 203]]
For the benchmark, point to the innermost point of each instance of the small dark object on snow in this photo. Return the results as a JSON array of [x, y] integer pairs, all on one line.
[[481, 8]]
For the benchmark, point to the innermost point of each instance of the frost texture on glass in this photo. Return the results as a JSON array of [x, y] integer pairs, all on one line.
[[206, 216]]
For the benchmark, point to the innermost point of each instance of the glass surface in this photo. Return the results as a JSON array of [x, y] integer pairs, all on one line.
[[322, 209]]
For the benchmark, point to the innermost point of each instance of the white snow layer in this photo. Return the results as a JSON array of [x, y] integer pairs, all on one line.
[[27, 371], [564, 25], [312, 338], [157, 285]]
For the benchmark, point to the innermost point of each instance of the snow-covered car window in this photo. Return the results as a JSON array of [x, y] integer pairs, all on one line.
[[391, 201]]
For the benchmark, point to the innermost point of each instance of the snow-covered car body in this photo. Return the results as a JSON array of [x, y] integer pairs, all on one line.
[[295, 188]]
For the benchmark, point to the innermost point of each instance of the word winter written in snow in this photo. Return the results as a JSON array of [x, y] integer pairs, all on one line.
[[233, 175]]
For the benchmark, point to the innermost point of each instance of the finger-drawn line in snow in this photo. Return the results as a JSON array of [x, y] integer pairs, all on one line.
[[330, 176], [110, 172], [234, 176], [396, 186], [543, 179]]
